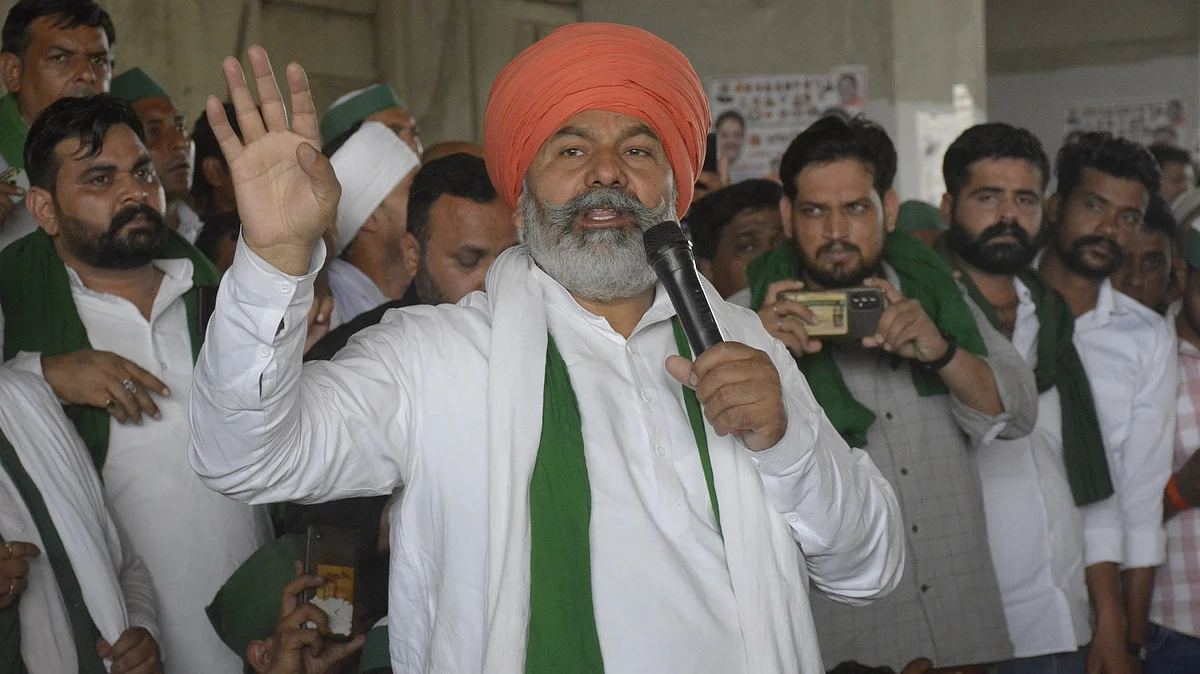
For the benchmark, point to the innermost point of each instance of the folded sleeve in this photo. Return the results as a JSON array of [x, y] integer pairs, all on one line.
[[264, 427], [843, 513]]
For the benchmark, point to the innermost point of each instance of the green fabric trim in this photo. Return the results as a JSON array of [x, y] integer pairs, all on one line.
[[82, 626], [1059, 365], [923, 277], [1192, 254], [562, 621], [375, 657], [341, 116], [40, 315], [13, 131], [135, 85], [246, 608]]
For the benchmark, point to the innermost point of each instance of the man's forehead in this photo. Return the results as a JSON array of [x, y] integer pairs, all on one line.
[[1011, 167], [157, 107], [50, 30], [595, 122], [119, 143], [1113, 188], [842, 177]]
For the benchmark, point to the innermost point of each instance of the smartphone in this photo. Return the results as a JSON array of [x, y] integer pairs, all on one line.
[[710, 154], [846, 314], [332, 552]]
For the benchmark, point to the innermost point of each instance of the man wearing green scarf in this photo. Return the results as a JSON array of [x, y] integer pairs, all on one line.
[[571, 503], [105, 303], [921, 396], [1104, 187], [51, 50], [995, 177]]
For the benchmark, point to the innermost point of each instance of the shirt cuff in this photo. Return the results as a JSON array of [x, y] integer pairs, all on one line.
[[794, 447], [27, 361], [1145, 548], [1103, 545]]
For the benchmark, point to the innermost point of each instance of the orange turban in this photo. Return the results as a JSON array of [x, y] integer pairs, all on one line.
[[594, 66]]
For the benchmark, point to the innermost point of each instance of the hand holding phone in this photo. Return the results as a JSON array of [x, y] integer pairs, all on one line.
[[332, 554], [788, 321]]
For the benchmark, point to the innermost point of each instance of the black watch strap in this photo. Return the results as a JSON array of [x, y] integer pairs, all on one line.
[[951, 351]]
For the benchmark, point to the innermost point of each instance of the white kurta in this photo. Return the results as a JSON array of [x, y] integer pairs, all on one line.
[[1035, 532], [406, 403], [353, 292], [34, 423], [190, 223], [191, 538]]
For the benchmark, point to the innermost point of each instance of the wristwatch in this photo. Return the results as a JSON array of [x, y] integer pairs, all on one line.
[[1138, 651], [937, 365]]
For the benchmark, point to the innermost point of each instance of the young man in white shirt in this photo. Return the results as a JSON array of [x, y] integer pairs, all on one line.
[[570, 359], [104, 302], [996, 176], [1104, 188]]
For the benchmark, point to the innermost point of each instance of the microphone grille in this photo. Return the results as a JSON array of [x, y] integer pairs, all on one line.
[[664, 235]]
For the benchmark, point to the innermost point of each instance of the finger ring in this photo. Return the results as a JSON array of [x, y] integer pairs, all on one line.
[[130, 386], [109, 404], [779, 325], [12, 587], [9, 547]]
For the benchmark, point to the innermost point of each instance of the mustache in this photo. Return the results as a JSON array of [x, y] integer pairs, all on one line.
[[1006, 228], [131, 213], [1082, 242], [838, 247], [607, 198]]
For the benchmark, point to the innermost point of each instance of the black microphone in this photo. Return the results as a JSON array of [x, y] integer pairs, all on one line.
[[670, 254]]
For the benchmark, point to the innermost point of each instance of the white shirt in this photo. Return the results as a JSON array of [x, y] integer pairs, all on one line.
[[353, 292], [405, 403], [1035, 532], [191, 538], [1129, 353], [190, 223]]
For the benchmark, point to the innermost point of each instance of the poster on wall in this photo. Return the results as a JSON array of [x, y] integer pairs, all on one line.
[[756, 117], [1159, 119]]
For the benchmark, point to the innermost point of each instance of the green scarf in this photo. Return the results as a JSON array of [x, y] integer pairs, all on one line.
[[13, 130], [1058, 365], [40, 315], [562, 622], [53, 550], [923, 277]]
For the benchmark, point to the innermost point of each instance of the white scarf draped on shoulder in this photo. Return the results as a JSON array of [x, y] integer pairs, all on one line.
[[769, 577]]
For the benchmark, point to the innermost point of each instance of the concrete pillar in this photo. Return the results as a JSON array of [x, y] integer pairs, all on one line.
[[935, 46]]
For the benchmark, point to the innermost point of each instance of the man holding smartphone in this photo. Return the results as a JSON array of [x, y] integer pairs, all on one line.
[[932, 383]]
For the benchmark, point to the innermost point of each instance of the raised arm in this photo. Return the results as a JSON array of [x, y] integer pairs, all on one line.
[[263, 429]]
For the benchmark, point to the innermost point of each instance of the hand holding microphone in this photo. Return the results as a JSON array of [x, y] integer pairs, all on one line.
[[738, 386]]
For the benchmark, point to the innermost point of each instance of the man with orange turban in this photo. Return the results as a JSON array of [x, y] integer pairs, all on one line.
[[579, 495]]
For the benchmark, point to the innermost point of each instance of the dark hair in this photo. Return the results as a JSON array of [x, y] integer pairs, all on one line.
[[833, 138], [207, 146], [728, 115], [87, 119], [338, 141], [69, 14], [1159, 219], [1166, 154], [709, 216], [995, 140], [1117, 157], [217, 227], [458, 175]]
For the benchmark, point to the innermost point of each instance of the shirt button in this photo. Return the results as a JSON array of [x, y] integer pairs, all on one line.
[[264, 351], [646, 397], [904, 471], [888, 415], [660, 451], [285, 287], [925, 588], [914, 528], [632, 349], [793, 518]]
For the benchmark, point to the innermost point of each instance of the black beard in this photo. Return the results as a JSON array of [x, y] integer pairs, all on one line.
[[1074, 258], [840, 279], [427, 289], [1002, 259], [110, 250]]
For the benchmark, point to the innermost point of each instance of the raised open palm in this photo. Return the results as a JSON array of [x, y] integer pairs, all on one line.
[[286, 191]]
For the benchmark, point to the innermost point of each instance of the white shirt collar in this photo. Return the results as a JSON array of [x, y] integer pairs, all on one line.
[[560, 299]]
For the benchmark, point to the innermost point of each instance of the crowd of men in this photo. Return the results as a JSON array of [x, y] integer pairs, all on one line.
[[1000, 476]]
